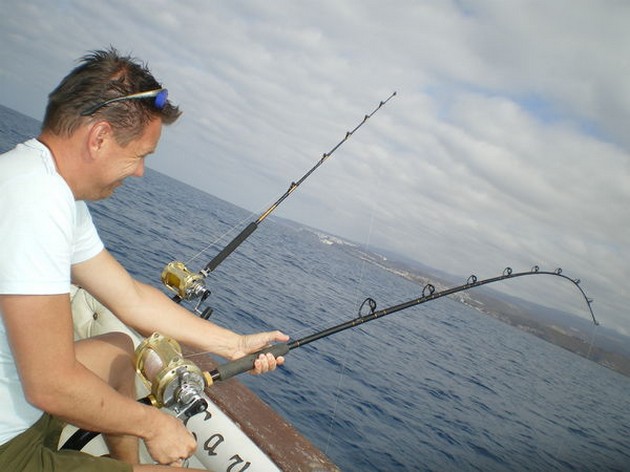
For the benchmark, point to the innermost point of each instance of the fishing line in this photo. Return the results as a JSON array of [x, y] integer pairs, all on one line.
[[591, 344], [357, 297], [593, 333], [333, 416], [570, 393], [220, 238]]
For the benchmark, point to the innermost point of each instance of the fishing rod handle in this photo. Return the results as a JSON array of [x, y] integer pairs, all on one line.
[[246, 363]]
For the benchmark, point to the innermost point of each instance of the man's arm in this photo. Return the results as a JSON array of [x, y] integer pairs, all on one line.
[[39, 328], [147, 310]]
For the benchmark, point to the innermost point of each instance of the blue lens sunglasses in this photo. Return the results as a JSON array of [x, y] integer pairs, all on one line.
[[160, 96]]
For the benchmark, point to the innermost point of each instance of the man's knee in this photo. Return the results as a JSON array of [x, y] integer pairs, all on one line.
[[110, 356]]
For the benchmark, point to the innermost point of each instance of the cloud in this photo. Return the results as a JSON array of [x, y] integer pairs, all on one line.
[[506, 145]]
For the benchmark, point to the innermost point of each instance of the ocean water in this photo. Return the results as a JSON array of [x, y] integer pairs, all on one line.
[[439, 387]]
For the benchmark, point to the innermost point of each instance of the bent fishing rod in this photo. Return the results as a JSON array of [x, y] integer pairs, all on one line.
[[178, 384], [244, 364], [190, 286]]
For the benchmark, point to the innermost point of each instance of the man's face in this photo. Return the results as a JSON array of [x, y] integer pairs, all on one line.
[[119, 162]]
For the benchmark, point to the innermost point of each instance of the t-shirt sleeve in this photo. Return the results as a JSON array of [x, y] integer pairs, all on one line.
[[87, 242], [43, 233]]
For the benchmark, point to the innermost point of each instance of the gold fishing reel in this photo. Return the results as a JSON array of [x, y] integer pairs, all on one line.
[[183, 282], [174, 382], [186, 285]]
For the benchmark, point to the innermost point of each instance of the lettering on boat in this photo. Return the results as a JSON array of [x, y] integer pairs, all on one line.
[[213, 442]]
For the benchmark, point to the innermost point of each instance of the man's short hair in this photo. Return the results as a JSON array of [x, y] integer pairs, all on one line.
[[102, 75]]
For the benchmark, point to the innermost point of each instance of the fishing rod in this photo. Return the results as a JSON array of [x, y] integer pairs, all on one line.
[[189, 286], [178, 384], [244, 364]]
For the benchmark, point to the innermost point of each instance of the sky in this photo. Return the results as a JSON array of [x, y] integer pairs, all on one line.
[[507, 143]]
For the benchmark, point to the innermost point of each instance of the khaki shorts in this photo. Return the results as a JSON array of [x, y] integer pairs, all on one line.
[[35, 450]]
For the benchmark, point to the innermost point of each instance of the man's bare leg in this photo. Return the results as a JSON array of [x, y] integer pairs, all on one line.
[[110, 356]]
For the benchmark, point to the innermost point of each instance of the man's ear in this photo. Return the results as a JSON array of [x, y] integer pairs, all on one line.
[[99, 137]]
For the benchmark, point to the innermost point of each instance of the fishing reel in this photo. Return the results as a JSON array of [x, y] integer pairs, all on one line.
[[174, 382], [186, 285]]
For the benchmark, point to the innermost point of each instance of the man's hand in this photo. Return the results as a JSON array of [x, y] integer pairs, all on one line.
[[169, 442], [251, 343]]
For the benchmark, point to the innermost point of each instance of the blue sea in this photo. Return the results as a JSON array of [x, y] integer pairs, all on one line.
[[439, 387]]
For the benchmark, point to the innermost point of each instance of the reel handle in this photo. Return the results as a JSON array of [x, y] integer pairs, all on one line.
[[245, 363]]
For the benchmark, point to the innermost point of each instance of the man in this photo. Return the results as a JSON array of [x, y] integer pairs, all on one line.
[[101, 122]]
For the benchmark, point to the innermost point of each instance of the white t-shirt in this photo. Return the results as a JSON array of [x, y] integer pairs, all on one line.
[[43, 231]]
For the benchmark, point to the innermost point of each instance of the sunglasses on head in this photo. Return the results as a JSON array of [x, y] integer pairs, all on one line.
[[160, 96]]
